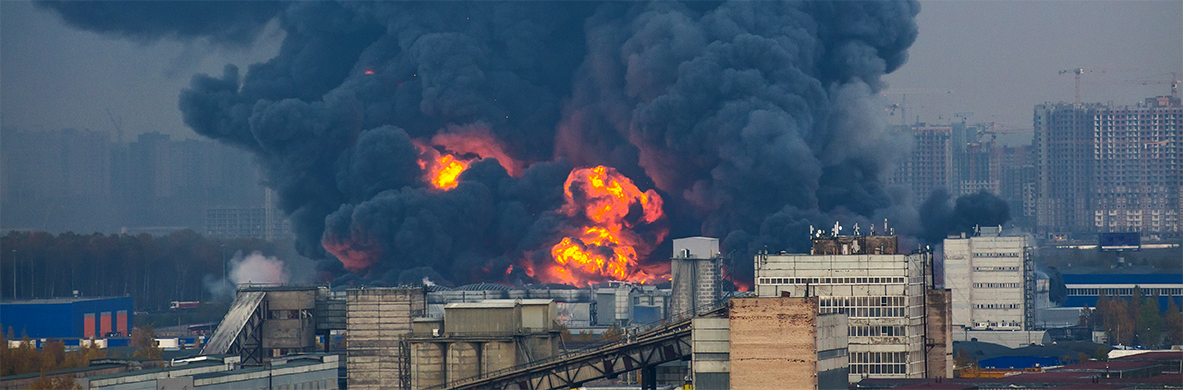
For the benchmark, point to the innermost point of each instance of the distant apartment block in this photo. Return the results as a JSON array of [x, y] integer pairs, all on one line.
[[929, 165], [1109, 168]]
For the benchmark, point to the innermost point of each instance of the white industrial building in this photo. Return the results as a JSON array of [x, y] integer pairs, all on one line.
[[992, 280], [882, 293]]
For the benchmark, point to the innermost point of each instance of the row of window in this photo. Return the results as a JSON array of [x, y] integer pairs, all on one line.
[[878, 368], [861, 301], [865, 312], [314, 385], [878, 357], [875, 331], [997, 306], [996, 269], [868, 280], [1093, 292], [996, 285], [991, 254]]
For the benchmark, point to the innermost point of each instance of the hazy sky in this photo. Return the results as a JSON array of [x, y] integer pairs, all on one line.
[[998, 58]]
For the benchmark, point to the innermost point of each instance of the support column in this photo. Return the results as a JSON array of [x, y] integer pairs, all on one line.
[[649, 377]]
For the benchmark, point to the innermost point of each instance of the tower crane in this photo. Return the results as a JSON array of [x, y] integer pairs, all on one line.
[[904, 99], [1080, 71]]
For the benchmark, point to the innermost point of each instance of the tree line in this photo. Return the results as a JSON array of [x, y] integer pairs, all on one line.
[[1136, 320], [153, 270]]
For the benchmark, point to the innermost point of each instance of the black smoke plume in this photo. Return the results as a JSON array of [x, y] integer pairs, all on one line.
[[753, 120], [942, 217]]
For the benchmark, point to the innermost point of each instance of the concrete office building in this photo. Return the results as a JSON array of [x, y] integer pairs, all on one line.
[[882, 292], [992, 279]]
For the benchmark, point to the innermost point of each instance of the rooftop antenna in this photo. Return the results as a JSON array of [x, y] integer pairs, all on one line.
[[872, 230], [837, 228], [811, 231], [856, 229]]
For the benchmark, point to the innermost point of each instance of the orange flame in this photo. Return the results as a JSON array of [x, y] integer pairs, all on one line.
[[608, 246], [443, 168]]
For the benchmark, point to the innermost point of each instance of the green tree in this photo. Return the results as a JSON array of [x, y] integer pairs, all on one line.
[[1173, 322], [1150, 323]]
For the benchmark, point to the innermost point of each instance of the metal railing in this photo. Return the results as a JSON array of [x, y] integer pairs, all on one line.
[[633, 334]]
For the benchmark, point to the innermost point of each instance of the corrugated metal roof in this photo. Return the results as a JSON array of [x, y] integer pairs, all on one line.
[[1123, 279], [482, 287], [488, 304], [240, 311]]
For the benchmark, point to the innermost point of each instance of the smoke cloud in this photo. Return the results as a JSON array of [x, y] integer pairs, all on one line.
[[249, 269], [942, 216], [751, 120]]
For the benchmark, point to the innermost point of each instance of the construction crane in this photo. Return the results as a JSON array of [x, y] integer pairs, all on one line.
[[1174, 82], [904, 99], [1080, 71]]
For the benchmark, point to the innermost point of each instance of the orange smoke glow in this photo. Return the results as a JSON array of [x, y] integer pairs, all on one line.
[[447, 155], [355, 255], [608, 246]]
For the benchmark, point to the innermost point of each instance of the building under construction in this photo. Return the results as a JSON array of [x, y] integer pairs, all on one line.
[[1105, 168]]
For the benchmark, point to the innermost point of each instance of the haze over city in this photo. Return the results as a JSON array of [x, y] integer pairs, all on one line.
[[893, 192]]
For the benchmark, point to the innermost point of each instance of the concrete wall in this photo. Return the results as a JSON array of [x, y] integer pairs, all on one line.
[[464, 360], [376, 319], [482, 320], [773, 343], [427, 364], [711, 358], [832, 351], [940, 354], [290, 323]]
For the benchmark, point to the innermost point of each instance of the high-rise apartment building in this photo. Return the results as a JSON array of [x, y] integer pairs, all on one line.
[[881, 291], [1108, 169], [1064, 154], [992, 280], [928, 167], [1137, 154]]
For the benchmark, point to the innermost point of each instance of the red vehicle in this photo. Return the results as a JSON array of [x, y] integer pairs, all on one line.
[[182, 305]]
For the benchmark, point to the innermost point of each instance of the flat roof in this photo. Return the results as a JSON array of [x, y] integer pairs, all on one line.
[[1104, 366], [1070, 279], [206, 363], [52, 301], [1156, 355], [93, 367], [507, 304]]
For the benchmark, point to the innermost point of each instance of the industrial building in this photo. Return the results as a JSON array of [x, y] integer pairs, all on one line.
[[267, 322], [478, 338], [81, 317], [1105, 168], [774, 342], [882, 291], [377, 318], [224, 372], [992, 279], [1084, 290], [695, 268]]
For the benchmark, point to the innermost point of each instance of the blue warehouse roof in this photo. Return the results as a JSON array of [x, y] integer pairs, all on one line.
[[1130, 279]]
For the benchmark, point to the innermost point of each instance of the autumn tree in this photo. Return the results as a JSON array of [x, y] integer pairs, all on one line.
[[144, 339], [1173, 323]]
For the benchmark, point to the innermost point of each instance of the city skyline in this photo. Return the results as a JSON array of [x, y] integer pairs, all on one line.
[[981, 53]]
